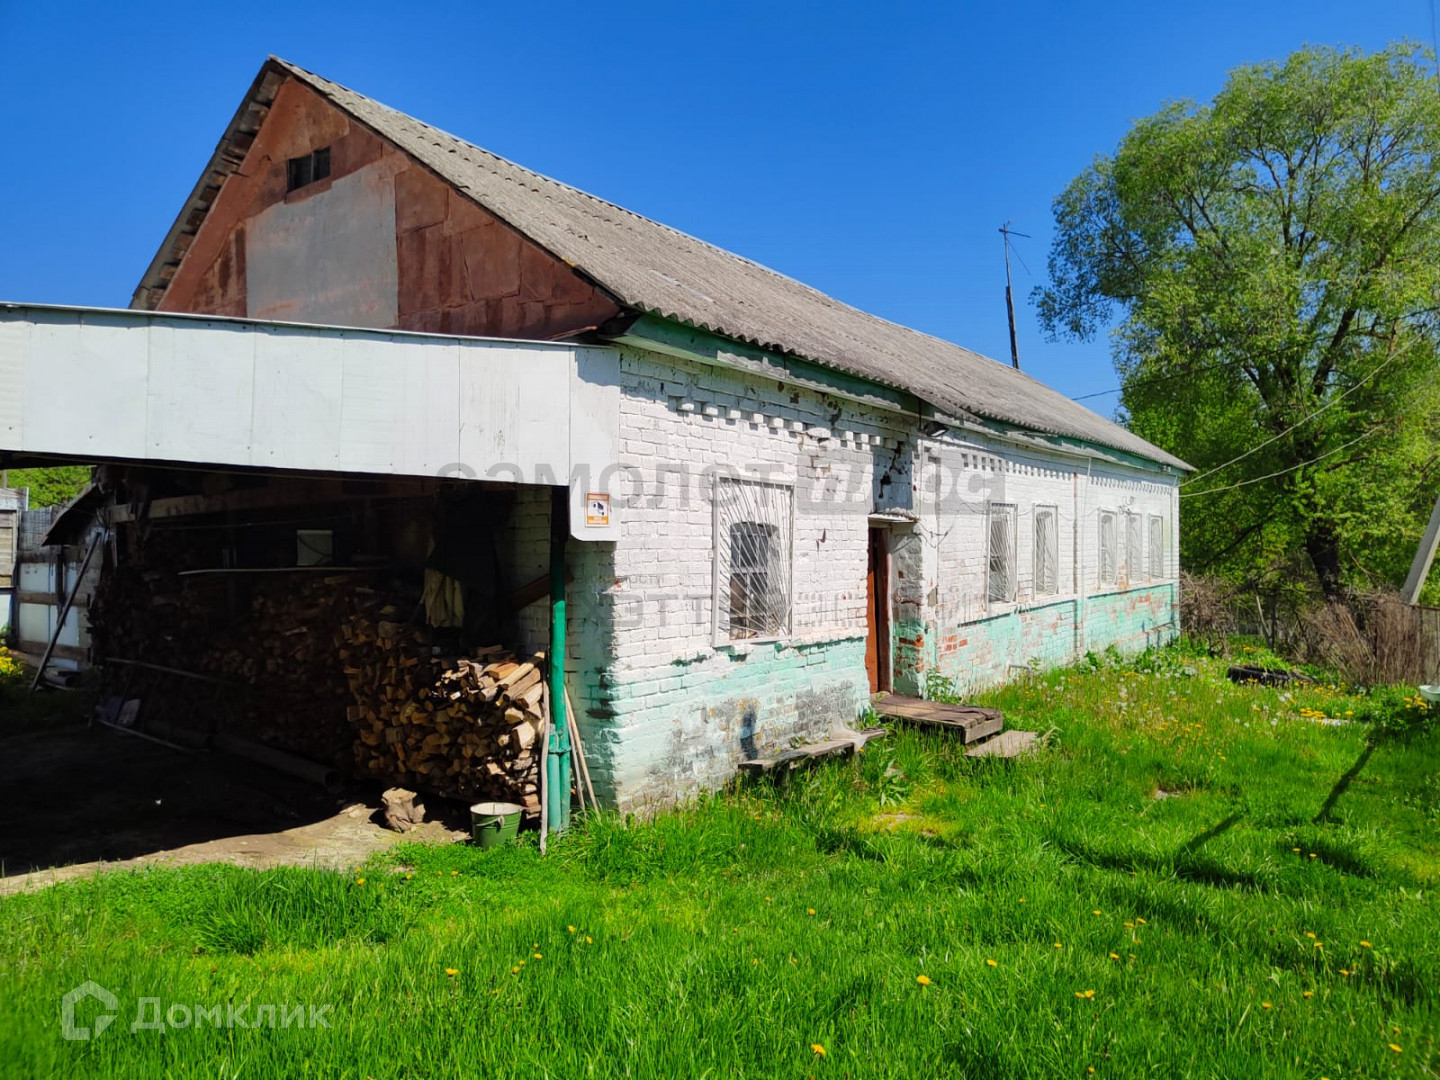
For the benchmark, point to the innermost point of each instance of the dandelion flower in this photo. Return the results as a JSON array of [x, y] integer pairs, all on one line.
[[1140, 921], [1313, 855], [1345, 972], [1264, 1004], [992, 963], [570, 928], [755, 961], [1395, 1048], [1114, 956], [1129, 926], [1307, 993], [1097, 911], [589, 940], [817, 1049], [1296, 850], [409, 876], [1365, 944], [1058, 945], [1310, 935], [454, 873], [538, 956], [452, 972], [359, 881], [810, 911], [1319, 944], [515, 970], [923, 980]]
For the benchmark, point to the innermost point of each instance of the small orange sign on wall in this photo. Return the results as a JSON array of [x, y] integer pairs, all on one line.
[[597, 509]]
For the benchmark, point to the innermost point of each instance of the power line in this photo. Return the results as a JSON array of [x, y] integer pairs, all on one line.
[[1304, 420], [1281, 472], [1153, 379]]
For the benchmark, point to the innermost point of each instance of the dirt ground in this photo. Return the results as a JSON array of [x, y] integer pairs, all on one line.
[[82, 798]]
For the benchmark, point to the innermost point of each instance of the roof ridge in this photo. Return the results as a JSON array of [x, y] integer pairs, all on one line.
[[312, 77]]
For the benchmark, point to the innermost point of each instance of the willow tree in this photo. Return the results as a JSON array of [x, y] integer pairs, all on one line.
[[1267, 266]]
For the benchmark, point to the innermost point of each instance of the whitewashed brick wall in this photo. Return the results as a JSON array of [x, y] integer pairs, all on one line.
[[664, 708]]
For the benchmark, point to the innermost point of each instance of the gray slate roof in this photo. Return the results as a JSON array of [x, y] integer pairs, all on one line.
[[656, 269]]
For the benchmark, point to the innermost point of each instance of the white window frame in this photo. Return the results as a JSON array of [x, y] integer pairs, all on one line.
[[1114, 576], [768, 503], [1134, 548], [1158, 548], [1009, 513], [1054, 540]]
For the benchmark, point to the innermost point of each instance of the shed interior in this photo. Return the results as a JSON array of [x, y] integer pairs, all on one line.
[[375, 627]]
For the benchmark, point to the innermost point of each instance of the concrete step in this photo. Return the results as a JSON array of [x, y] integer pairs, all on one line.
[[1007, 744]]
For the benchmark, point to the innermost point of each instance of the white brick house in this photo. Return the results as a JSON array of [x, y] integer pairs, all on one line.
[[809, 503]]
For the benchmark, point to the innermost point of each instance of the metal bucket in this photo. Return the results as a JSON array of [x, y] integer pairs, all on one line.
[[494, 823]]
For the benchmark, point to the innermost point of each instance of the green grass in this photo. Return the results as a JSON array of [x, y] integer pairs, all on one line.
[[726, 938]]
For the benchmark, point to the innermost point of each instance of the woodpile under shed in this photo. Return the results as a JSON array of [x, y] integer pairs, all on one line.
[[335, 669], [461, 726]]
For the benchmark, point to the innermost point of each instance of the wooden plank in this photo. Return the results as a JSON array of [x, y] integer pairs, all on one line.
[[971, 722], [792, 759], [1424, 556]]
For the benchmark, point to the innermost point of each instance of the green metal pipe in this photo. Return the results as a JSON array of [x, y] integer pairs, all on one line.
[[557, 776]]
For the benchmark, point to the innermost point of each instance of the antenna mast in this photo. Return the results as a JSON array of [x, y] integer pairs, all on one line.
[[1008, 232]]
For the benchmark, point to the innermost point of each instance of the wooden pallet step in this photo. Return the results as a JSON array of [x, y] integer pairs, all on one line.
[[971, 722], [791, 759], [1007, 744]]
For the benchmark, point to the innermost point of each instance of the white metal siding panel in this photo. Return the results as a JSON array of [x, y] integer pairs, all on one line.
[[85, 384], [198, 385], [213, 391], [14, 342], [427, 389], [496, 425], [594, 437], [297, 400]]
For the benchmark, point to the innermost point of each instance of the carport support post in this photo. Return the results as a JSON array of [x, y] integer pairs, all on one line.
[[557, 776]]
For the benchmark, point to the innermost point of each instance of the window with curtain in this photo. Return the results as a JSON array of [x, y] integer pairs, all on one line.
[[1047, 551]]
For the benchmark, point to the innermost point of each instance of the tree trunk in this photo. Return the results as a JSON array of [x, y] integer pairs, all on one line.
[[1323, 548]]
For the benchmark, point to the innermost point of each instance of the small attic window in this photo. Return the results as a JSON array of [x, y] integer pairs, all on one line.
[[307, 168]]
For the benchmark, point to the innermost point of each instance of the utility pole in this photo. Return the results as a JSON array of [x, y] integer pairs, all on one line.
[[1008, 232]]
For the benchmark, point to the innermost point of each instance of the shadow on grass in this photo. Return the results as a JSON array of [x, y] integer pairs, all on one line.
[[1189, 863], [1343, 784]]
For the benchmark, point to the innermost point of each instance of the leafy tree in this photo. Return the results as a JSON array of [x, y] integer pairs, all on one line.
[[1270, 263], [53, 484]]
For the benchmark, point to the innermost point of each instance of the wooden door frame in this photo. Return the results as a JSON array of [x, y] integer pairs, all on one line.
[[878, 610]]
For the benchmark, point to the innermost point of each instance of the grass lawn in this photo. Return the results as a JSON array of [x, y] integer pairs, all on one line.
[[1193, 880]]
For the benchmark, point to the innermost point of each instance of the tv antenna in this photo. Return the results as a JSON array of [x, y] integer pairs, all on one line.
[[1008, 232]]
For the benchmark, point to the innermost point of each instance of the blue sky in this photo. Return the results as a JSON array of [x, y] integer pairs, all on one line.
[[870, 150]]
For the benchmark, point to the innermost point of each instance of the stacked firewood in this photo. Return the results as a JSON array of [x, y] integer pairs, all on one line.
[[466, 727], [284, 654]]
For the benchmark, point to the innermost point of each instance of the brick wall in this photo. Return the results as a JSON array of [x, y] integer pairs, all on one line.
[[667, 708], [973, 640]]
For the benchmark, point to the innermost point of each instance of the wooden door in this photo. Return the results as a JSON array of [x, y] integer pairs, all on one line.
[[877, 613]]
